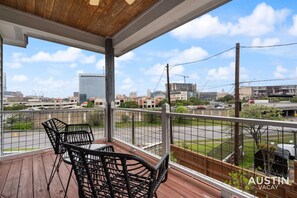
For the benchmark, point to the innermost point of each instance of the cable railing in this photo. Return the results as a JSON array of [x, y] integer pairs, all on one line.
[[140, 128], [202, 144], [205, 144], [22, 130]]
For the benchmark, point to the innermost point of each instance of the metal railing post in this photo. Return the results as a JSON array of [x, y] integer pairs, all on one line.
[[105, 120], [112, 120], [165, 125], [133, 129]]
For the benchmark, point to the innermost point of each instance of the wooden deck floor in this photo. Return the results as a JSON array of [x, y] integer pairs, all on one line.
[[26, 175]]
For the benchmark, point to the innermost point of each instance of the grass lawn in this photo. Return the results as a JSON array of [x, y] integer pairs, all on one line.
[[19, 149], [249, 147]]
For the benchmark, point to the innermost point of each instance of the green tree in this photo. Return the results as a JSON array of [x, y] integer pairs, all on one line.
[[90, 104], [160, 103], [129, 104], [227, 98], [181, 109], [96, 119], [125, 118], [259, 112], [19, 121], [294, 99], [268, 156], [15, 107], [198, 101]]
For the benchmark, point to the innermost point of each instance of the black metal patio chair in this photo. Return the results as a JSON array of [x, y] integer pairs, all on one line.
[[105, 173], [59, 132]]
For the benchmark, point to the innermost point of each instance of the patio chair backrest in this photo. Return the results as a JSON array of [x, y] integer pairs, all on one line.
[[110, 174], [53, 127]]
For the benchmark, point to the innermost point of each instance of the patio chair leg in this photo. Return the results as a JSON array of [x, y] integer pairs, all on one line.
[[65, 195], [54, 169]]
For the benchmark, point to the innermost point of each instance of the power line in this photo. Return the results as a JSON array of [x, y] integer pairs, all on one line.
[[204, 59], [160, 79], [269, 46], [253, 81]]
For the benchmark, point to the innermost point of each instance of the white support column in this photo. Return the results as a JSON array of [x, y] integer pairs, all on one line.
[[165, 129]]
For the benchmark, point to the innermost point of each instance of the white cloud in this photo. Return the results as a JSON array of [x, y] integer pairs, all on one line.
[[280, 71], [261, 21], [14, 65], [100, 64], [293, 29], [265, 42], [201, 27], [88, 59], [226, 73], [73, 65], [157, 69], [188, 55], [71, 54], [126, 57], [19, 78], [54, 87], [79, 72], [127, 84]]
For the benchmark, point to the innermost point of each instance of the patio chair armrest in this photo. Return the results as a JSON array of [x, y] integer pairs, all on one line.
[[162, 169], [76, 137], [80, 127], [106, 148]]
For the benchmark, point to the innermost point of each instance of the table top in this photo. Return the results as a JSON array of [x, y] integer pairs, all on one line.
[[66, 157]]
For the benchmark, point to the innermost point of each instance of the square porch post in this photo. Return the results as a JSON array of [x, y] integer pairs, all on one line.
[[110, 86]]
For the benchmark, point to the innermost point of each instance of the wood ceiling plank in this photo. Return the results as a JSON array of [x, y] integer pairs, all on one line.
[[30, 6], [104, 20], [66, 11], [39, 8], [101, 17], [21, 5], [88, 12], [123, 17], [74, 15], [57, 9], [48, 8]]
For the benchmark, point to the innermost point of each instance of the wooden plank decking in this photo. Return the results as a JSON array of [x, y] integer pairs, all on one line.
[[26, 175]]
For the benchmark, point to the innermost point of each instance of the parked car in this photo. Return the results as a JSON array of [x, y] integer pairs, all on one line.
[[201, 107], [288, 147]]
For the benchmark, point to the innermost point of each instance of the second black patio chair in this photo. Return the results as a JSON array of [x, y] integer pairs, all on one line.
[[59, 132], [105, 173]]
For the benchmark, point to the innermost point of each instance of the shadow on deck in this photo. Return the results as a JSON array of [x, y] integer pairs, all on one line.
[[26, 175]]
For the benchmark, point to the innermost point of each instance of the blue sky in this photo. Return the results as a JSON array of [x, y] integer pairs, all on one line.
[[50, 69]]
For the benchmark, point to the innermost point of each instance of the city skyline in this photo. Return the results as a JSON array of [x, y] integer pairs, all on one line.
[[52, 70]]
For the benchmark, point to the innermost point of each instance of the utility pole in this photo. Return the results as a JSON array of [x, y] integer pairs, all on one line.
[[169, 102], [237, 108]]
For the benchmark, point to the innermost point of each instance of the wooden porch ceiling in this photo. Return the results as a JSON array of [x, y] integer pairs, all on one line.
[[78, 24], [104, 20]]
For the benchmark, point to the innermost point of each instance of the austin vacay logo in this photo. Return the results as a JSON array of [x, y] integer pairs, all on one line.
[[268, 183]]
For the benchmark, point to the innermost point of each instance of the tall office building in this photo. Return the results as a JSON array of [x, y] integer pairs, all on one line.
[[91, 86]]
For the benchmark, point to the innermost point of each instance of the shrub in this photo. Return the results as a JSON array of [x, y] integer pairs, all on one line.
[[19, 122], [95, 119], [125, 118], [181, 119], [240, 180], [152, 118]]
